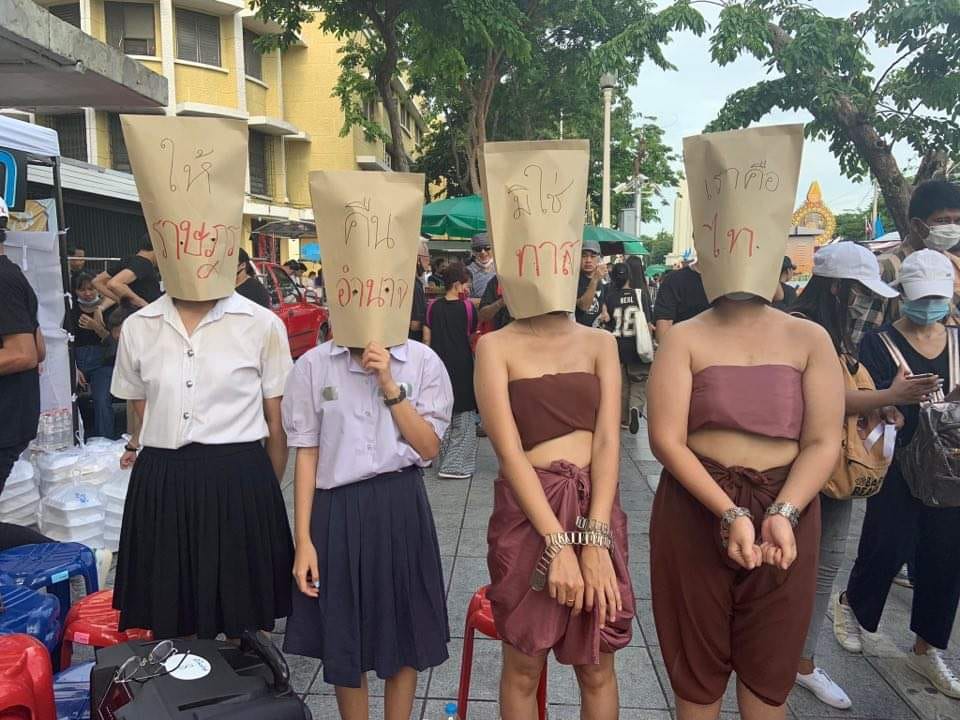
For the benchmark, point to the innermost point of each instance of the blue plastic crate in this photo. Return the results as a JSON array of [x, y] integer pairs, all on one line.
[[31, 612], [71, 691]]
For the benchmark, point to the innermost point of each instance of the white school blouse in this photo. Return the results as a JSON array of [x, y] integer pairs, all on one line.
[[208, 387]]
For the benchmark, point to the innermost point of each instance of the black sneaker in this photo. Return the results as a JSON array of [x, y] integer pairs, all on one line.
[[634, 420]]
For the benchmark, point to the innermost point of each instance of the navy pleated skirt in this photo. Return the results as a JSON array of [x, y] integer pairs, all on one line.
[[205, 546], [381, 605]]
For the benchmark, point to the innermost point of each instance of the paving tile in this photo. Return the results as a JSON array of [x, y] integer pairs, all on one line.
[[375, 686], [473, 542], [485, 678], [303, 670], [872, 696], [919, 695], [325, 706]]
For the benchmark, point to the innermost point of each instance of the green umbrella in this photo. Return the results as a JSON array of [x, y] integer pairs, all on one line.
[[655, 270], [460, 217], [613, 241]]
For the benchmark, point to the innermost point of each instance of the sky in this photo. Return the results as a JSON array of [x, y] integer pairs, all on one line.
[[684, 101]]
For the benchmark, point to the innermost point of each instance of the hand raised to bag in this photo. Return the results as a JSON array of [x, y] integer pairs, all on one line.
[[565, 580], [741, 546], [778, 542], [600, 584]]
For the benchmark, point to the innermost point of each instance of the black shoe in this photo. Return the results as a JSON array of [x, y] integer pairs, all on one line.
[[634, 420]]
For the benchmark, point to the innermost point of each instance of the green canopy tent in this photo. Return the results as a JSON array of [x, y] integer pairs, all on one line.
[[655, 270], [458, 217]]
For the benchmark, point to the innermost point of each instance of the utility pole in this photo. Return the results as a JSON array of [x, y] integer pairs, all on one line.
[[638, 186], [608, 81]]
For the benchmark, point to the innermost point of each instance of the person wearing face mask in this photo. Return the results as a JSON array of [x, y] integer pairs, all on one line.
[[935, 225], [482, 269], [94, 363], [845, 276], [897, 526]]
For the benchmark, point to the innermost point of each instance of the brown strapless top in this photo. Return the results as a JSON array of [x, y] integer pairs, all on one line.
[[763, 400], [550, 406]]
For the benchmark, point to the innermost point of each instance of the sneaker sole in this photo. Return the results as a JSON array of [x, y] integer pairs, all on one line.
[[818, 696], [921, 673], [448, 476], [634, 421]]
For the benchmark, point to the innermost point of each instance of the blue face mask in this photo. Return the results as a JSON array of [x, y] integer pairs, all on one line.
[[925, 311]]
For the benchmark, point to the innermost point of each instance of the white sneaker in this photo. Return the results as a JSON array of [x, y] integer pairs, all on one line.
[[826, 690], [931, 666], [846, 628]]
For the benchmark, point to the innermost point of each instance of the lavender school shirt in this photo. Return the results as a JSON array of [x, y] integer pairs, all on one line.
[[332, 403]]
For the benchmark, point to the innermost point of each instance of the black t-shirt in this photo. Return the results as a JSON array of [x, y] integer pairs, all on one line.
[[491, 293], [876, 358], [589, 317], [624, 312], [83, 337], [19, 392], [418, 313], [450, 339], [681, 296], [147, 284], [789, 297], [253, 289]]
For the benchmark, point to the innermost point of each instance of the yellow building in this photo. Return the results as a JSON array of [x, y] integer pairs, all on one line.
[[205, 49]]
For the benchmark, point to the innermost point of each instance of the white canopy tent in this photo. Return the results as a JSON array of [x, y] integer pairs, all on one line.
[[43, 258]]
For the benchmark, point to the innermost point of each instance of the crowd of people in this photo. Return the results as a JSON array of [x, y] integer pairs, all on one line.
[[758, 408]]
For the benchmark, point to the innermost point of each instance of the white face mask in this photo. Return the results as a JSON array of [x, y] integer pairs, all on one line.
[[942, 237]]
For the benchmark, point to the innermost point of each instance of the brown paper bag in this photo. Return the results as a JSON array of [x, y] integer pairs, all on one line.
[[535, 196], [190, 175], [368, 226], [742, 188]]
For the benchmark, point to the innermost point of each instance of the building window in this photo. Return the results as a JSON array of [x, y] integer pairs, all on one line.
[[198, 37], [258, 149], [251, 56], [404, 115], [130, 28], [119, 160], [370, 109], [72, 133], [69, 13], [419, 134]]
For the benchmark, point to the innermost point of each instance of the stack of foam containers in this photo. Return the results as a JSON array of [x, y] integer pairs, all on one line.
[[114, 496], [73, 513], [21, 497], [58, 468]]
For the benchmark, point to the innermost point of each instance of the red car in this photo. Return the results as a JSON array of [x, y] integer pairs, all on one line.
[[307, 323]]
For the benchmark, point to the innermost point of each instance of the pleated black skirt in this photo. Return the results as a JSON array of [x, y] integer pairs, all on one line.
[[381, 605], [205, 546]]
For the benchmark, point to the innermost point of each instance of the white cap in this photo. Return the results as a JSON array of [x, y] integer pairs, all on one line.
[[926, 273], [4, 210], [850, 261]]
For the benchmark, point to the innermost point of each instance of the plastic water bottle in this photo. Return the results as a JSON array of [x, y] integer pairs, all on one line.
[[450, 712]]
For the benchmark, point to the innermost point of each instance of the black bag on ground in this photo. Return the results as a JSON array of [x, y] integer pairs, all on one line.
[[930, 462]]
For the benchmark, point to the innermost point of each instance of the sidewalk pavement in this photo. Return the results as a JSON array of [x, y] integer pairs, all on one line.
[[881, 688]]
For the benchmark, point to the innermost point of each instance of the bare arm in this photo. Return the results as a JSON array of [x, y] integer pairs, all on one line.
[[661, 329], [903, 391], [427, 335], [493, 401], [605, 453], [585, 301], [41, 346], [102, 284], [135, 410], [276, 443], [418, 433], [305, 566], [119, 285], [823, 397], [488, 312], [20, 352]]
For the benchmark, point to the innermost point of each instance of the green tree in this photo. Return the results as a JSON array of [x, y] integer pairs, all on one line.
[[659, 247], [823, 64]]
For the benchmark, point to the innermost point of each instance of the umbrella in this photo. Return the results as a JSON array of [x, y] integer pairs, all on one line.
[[614, 242], [461, 217], [655, 270]]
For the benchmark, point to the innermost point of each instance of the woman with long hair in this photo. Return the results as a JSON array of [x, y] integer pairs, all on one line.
[[549, 394], [845, 286], [93, 352]]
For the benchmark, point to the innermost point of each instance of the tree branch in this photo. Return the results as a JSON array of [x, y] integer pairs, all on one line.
[[896, 62]]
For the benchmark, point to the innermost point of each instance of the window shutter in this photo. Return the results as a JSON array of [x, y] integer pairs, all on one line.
[[251, 56], [187, 40], [118, 148], [72, 131], [69, 13], [208, 31], [114, 12], [139, 29], [258, 164]]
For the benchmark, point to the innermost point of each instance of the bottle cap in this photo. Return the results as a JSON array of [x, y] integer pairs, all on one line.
[[450, 709]]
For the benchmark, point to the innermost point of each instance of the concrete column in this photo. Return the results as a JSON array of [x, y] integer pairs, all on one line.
[[89, 116], [168, 50], [240, 63]]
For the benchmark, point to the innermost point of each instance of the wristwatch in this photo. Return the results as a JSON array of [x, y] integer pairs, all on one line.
[[390, 402], [726, 520], [786, 509], [128, 448]]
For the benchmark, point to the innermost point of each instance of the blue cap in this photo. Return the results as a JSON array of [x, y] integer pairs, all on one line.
[[450, 709]]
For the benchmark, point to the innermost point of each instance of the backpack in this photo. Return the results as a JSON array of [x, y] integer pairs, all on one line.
[[866, 450], [931, 460], [471, 324]]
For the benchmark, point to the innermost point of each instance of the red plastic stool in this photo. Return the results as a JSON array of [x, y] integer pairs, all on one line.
[[26, 679], [93, 621], [480, 618]]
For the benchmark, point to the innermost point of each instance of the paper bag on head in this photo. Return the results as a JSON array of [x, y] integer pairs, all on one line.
[[190, 175], [535, 196], [742, 188], [369, 232]]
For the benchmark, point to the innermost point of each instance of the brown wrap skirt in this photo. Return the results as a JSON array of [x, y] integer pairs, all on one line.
[[713, 617], [531, 621]]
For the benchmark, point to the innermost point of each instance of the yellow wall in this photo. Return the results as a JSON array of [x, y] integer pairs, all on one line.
[[155, 65], [103, 139], [256, 98], [298, 166], [98, 22], [205, 85], [270, 65]]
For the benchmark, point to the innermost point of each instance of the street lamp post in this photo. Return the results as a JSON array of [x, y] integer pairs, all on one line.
[[638, 186], [608, 81]]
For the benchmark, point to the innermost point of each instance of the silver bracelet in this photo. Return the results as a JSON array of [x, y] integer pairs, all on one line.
[[726, 520], [788, 510], [555, 543]]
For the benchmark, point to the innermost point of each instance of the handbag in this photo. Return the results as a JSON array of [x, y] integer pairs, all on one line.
[[931, 460], [867, 446], [644, 337]]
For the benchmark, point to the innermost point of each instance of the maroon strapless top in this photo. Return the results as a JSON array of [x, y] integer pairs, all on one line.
[[763, 400], [550, 406]]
